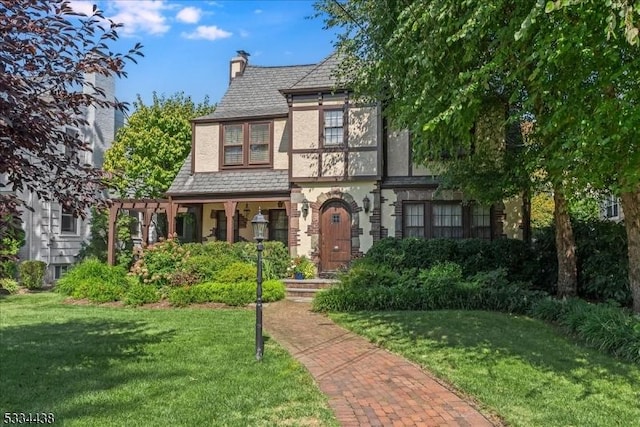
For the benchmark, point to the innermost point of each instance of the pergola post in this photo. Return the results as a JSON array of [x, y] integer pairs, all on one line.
[[111, 236], [230, 211], [172, 212], [148, 215]]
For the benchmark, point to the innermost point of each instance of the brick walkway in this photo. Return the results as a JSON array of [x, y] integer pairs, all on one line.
[[366, 385]]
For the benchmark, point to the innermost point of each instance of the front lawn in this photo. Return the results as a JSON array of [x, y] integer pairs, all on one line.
[[97, 365], [519, 367]]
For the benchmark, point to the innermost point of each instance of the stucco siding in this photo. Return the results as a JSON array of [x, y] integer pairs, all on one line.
[[398, 153], [363, 126], [305, 129], [207, 139], [281, 144], [363, 163]]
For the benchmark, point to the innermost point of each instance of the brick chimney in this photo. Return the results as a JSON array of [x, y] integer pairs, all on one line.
[[238, 64]]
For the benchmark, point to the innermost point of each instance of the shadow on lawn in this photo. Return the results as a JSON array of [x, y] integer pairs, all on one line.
[[489, 339], [47, 365]]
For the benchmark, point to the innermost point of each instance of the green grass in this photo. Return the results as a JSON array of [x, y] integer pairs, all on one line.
[[517, 367], [105, 366]]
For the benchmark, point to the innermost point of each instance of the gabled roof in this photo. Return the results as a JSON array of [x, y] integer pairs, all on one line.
[[321, 76], [228, 182], [256, 92]]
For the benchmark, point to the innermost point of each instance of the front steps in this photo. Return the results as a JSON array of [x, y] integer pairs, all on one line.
[[304, 290]]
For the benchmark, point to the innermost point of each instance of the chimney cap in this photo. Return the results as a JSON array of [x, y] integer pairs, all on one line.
[[243, 53]]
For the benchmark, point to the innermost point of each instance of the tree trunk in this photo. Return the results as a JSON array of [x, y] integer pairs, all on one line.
[[565, 246], [631, 208]]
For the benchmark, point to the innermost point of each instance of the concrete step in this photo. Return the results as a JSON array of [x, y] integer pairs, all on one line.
[[304, 290]]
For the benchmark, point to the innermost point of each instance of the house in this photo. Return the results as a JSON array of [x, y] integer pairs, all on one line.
[[320, 165], [52, 234], [611, 209]]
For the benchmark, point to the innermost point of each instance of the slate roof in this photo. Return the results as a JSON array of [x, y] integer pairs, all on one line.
[[321, 76], [228, 182], [256, 92]]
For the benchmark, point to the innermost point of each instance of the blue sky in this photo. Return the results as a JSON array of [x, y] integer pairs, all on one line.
[[188, 44]]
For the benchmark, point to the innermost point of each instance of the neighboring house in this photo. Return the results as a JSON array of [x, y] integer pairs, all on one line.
[[611, 209], [52, 234], [324, 169]]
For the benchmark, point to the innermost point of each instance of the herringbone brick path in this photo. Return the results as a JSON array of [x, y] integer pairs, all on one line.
[[366, 385]]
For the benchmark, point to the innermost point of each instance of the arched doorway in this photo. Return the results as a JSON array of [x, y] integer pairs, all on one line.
[[335, 235]]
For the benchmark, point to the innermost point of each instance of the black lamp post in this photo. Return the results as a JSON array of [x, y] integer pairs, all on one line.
[[259, 223]]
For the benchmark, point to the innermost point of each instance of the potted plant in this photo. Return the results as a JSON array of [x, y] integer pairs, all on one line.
[[302, 268]]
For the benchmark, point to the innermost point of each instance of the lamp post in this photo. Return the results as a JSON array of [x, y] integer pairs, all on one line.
[[259, 223]]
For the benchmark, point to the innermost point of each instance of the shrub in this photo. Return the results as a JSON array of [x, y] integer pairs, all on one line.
[[275, 257], [158, 262], [32, 274], [365, 274], [95, 280], [9, 285], [302, 265], [207, 267], [141, 293], [180, 297], [233, 294], [238, 272], [8, 269], [601, 251]]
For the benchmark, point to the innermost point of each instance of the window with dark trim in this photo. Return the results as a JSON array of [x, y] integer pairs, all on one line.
[[279, 226], [246, 144], [449, 220], [60, 270], [612, 207], [68, 222], [333, 127], [221, 226], [480, 222]]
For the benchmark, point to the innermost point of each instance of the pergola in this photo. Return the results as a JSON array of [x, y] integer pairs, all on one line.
[[148, 207]]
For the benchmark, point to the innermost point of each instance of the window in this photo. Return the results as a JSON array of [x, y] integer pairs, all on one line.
[[71, 133], [221, 226], [59, 271], [246, 144], [68, 223], [481, 222], [333, 127], [612, 207], [447, 221], [414, 220], [279, 226]]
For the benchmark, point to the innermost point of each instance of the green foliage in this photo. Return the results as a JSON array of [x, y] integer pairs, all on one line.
[[363, 274], [8, 269], [275, 257], [157, 263], [150, 149], [605, 327], [233, 294], [541, 210], [140, 293], [99, 235], [32, 274], [473, 255], [601, 248], [238, 272], [94, 280], [9, 285], [302, 265]]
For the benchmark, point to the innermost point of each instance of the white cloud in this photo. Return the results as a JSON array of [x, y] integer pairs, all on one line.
[[210, 32], [257, 11], [82, 6], [140, 16], [189, 15]]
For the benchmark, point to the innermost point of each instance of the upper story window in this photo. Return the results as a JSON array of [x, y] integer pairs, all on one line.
[[246, 144], [68, 223], [333, 127], [612, 207]]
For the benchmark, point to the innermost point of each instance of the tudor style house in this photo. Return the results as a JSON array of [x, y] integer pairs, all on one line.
[[322, 167]]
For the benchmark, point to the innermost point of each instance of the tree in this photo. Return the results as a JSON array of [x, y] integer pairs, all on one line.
[[440, 66], [47, 49], [150, 149]]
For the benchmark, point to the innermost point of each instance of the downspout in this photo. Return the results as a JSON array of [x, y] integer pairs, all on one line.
[[50, 237]]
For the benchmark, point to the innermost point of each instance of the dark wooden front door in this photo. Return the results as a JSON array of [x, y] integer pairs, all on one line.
[[335, 235]]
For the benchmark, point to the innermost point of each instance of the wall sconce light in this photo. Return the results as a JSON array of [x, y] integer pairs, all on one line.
[[246, 210], [366, 204], [212, 214], [305, 208]]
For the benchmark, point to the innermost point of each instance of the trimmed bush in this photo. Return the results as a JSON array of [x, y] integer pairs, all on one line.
[[8, 269], [32, 274], [364, 274], [233, 294], [276, 259], [9, 285], [140, 293], [95, 280], [238, 272], [207, 267]]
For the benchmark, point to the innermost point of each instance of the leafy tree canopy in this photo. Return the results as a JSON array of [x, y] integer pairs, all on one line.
[[150, 149]]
